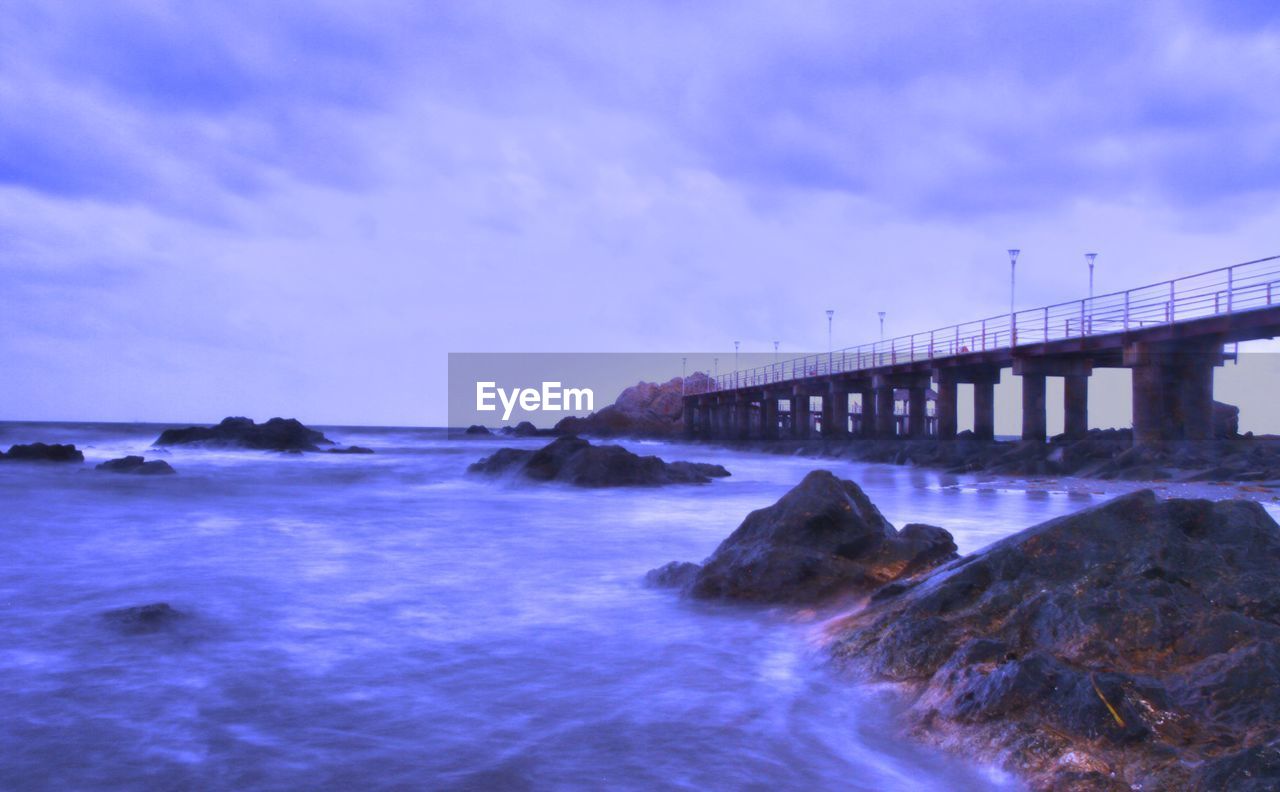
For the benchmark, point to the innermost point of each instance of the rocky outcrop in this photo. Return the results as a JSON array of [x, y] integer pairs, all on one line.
[[277, 434], [351, 450], [527, 429], [477, 429], [41, 452], [1132, 645], [572, 460], [822, 539], [138, 466], [1226, 420], [645, 409], [142, 619]]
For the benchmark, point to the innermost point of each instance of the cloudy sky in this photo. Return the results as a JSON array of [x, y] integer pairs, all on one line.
[[300, 209]]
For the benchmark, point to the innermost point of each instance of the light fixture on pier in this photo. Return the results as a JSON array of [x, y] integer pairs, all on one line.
[[1090, 257], [881, 325], [735, 363], [684, 374], [775, 351], [830, 313], [1013, 317]]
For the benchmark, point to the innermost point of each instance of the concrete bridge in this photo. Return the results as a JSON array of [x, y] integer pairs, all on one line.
[[1170, 334]]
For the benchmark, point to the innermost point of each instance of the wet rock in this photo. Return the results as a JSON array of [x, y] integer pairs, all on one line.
[[351, 450], [138, 466], [1226, 420], [41, 452], [141, 619], [1135, 643], [677, 574], [477, 429], [523, 429], [646, 409], [572, 460], [823, 538], [277, 434]]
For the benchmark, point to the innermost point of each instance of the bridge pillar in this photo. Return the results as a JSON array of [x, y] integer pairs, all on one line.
[[835, 412], [689, 416], [1034, 424], [1173, 390], [1075, 397], [946, 406], [741, 417], [867, 418], [984, 410], [918, 410], [724, 418], [799, 414], [884, 417], [769, 416]]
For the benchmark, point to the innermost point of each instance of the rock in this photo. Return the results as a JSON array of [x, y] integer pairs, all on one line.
[[572, 460], [1135, 643], [645, 409], [477, 429], [277, 434], [40, 452], [351, 450], [138, 466], [140, 619], [823, 538], [676, 574]]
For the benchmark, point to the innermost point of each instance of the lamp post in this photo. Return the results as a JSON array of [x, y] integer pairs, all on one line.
[[1013, 318], [735, 363], [830, 313], [716, 363], [1090, 257], [881, 325], [684, 374], [775, 351]]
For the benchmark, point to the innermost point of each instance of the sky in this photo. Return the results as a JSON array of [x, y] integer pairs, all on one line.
[[300, 209]]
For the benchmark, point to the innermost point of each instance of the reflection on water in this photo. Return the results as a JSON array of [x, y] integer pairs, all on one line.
[[379, 621]]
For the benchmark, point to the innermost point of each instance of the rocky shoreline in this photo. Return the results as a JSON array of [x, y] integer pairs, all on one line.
[[1133, 645]]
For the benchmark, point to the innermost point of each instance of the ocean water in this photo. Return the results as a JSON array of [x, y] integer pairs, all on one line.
[[386, 621]]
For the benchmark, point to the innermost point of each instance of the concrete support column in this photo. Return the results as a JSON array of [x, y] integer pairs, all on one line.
[[884, 411], [1033, 414], [1075, 394], [741, 417], [1196, 398], [769, 417], [867, 420], [984, 410], [1150, 405], [946, 406], [917, 411], [689, 416], [799, 415], [838, 412], [724, 418]]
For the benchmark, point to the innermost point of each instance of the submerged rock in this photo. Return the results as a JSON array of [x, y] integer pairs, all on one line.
[[351, 450], [139, 619], [477, 429], [277, 434], [572, 460], [1135, 643], [823, 538], [527, 429], [41, 452], [138, 466]]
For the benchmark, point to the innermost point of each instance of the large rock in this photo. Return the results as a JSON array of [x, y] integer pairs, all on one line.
[[646, 409], [1226, 419], [41, 452], [277, 434], [137, 465], [823, 538], [572, 460], [1132, 645]]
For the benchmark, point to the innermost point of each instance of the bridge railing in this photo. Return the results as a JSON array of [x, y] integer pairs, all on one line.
[[1240, 287]]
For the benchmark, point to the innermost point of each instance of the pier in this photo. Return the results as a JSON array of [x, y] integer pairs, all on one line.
[[1170, 335]]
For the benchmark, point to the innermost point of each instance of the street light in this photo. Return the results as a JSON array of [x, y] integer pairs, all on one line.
[[881, 325], [775, 351], [1090, 257], [830, 312], [735, 363], [1013, 318], [684, 374]]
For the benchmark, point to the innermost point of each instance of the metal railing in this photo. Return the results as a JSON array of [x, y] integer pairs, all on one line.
[[1235, 289]]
